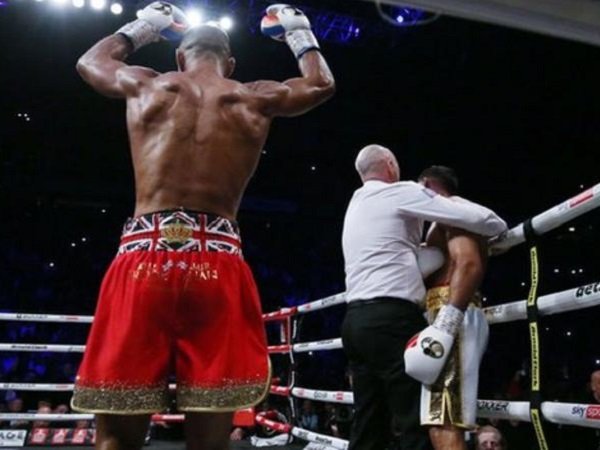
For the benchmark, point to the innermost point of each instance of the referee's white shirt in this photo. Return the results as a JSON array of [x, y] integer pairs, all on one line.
[[383, 228]]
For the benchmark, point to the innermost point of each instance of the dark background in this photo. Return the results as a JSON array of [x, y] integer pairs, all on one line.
[[516, 114]]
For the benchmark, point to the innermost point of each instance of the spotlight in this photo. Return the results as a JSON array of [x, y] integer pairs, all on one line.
[[194, 17], [116, 8], [226, 23], [59, 2], [78, 3], [400, 18], [98, 4]]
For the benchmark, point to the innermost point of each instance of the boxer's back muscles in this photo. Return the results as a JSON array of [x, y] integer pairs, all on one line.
[[196, 137]]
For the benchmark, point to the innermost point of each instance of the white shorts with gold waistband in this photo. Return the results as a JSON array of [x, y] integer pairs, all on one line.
[[452, 399]]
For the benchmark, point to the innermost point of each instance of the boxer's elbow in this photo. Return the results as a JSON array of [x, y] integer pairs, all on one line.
[[85, 66], [325, 86]]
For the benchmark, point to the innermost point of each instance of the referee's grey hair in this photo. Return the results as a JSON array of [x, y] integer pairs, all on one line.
[[372, 158]]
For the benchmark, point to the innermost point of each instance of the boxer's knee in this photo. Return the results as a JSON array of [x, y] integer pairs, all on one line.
[[447, 437]]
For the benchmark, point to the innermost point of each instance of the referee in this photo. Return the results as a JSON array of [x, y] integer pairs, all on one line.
[[382, 232]]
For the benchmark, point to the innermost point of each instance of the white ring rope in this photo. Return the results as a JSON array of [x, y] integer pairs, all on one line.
[[22, 317], [561, 413], [585, 296], [73, 417], [551, 218], [322, 303], [329, 441], [581, 297], [42, 348], [326, 344], [44, 387]]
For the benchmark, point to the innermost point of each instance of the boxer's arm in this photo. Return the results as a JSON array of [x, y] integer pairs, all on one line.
[[297, 95], [104, 69], [465, 251]]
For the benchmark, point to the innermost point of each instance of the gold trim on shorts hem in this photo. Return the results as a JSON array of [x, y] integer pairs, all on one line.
[[228, 397], [114, 399]]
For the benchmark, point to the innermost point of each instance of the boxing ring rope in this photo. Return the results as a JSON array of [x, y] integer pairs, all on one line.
[[563, 413], [46, 387], [172, 418]]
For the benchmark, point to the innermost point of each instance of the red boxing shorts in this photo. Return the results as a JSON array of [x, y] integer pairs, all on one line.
[[177, 299]]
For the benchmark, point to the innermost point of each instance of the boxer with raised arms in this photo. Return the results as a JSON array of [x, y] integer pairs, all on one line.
[[178, 297]]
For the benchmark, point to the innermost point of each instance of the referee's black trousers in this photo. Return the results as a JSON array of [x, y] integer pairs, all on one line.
[[375, 333]]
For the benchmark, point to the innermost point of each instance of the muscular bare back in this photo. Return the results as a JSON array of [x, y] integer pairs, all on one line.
[[196, 136], [195, 142]]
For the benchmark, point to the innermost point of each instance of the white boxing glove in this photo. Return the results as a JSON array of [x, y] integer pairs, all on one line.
[[157, 21], [289, 24], [430, 260], [427, 352]]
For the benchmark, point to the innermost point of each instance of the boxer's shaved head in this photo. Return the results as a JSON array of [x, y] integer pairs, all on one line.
[[205, 41], [377, 162]]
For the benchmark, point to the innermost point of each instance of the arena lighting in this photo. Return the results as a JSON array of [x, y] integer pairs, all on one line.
[[78, 3], [116, 8], [98, 4], [194, 17], [226, 23], [59, 2]]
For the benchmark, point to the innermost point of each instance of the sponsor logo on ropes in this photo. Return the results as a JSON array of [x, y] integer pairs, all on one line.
[[302, 434], [339, 396], [29, 346], [581, 198], [588, 289], [320, 395], [12, 438], [32, 316], [578, 411], [593, 412], [490, 405], [494, 310], [323, 440]]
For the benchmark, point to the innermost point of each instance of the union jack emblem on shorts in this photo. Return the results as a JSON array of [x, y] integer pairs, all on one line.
[[180, 231]]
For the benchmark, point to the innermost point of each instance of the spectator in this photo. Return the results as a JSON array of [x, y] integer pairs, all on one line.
[[44, 407], [595, 385], [489, 438], [308, 417], [15, 406]]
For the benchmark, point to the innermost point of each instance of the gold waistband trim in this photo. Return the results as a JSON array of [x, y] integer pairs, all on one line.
[[439, 296]]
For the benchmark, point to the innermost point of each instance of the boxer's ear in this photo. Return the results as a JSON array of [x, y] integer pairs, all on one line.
[[180, 57], [230, 66]]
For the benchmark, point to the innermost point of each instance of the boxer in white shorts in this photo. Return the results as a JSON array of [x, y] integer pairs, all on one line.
[[445, 357]]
